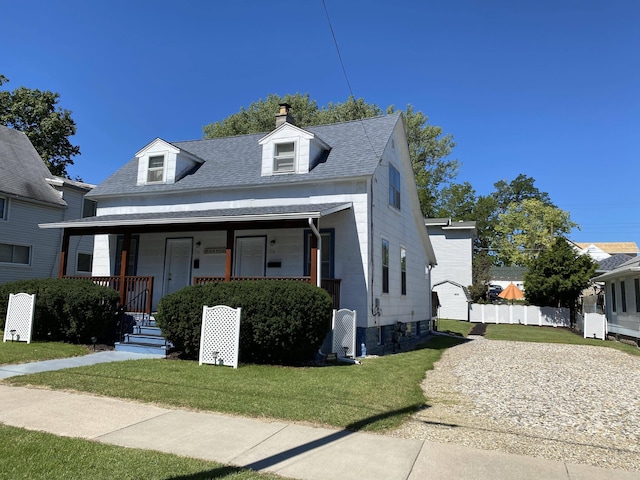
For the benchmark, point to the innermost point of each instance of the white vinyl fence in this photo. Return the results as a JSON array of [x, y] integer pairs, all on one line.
[[592, 325], [519, 314]]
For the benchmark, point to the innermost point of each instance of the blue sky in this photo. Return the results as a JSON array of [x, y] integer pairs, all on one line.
[[549, 88]]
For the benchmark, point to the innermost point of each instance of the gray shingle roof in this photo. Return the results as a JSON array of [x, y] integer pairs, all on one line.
[[22, 171], [206, 216], [612, 262], [236, 161]]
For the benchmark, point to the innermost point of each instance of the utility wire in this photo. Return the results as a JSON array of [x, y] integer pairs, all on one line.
[[346, 77], [335, 41]]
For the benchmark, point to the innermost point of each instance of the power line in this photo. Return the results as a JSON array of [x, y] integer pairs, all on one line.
[[335, 42]]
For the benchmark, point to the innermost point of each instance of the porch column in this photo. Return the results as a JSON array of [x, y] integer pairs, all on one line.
[[229, 253], [314, 260], [124, 266], [64, 253]]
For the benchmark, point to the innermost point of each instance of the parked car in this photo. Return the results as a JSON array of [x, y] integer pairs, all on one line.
[[494, 291]]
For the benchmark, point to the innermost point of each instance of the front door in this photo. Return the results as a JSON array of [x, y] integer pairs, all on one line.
[[177, 264], [250, 256]]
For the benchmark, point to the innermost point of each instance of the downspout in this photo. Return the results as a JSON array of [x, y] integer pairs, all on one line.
[[319, 255]]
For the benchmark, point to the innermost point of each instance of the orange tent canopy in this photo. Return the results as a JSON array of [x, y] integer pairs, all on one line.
[[511, 293]]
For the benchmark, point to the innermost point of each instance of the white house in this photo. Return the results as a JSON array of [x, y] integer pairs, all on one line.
[[453, 244], [622, 299], [30, 195], [335, 205]]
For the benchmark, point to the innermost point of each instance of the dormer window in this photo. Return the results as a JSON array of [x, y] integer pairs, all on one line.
[[284, 158], [155, 172]]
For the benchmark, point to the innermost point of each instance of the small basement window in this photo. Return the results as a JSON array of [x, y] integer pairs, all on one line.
[[284, 158], [155, 172]]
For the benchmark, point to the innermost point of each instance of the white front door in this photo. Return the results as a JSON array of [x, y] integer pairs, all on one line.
[[250, 256], [177, 264]]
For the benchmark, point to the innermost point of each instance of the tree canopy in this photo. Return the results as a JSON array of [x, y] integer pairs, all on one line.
[[429, 148], [37, 114], [558, 276]]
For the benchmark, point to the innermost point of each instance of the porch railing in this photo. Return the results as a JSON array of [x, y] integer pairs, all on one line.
[[138, 291], [331, 285]]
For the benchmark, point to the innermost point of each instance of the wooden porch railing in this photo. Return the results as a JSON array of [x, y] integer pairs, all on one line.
[[331, 285], [138, 291]]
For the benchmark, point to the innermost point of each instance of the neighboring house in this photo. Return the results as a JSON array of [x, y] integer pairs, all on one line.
[[602, 250], [335, 205], [30, 195], [453, 245], [503, 276], [622, 299]]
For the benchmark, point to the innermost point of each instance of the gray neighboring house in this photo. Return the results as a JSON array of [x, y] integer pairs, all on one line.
[[453, 245], [30, 195], [622, 298]]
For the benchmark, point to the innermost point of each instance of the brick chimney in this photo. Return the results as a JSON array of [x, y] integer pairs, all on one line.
[[284, 115]]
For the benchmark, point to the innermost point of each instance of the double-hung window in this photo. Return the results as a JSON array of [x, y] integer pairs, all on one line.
[[155, 172], [637, 288], [3, 208], [403, 271], [284, 157], [385, 266], [88, 208], [394, 187], [623, 296], [613, 296]]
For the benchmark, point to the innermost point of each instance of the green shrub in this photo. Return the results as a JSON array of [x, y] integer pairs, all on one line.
[[282, 322], [66, 309]]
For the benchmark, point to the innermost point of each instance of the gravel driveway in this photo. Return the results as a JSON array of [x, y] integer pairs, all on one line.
[[574, 403]]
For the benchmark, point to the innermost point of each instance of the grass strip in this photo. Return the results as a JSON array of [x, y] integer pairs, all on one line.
[[12, 353], [30, 455]]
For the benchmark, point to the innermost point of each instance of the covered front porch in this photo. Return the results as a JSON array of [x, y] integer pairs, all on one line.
[[147, 256]]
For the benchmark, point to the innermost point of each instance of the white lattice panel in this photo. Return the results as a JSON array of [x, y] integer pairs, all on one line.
[[344, 332], [19, 317], [220, 336]]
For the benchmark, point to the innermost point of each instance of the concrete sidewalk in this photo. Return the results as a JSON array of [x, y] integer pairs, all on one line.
[[290, 450], [7, 371]]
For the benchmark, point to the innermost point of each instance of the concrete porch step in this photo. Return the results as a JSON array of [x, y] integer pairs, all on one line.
[[149, 349], [145, 339]]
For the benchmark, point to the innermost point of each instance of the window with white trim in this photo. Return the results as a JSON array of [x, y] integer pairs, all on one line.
[[623, 296], [16, 254], [84, 262], [284, 157], [3, 208], [155, 170], [403, 271], [385, 266], [394, 187]]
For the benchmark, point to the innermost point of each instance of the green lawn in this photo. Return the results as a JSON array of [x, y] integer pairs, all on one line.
[[30, 455], [455, 327], [377, 395], [21, 352], [531, 333]]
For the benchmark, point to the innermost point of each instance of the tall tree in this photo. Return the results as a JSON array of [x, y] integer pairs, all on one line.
[[37, 114], [558, 276], [429, 148], [528, 228]]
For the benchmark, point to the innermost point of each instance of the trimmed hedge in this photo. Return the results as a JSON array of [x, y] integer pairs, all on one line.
[[66, 309], [283, 322]]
